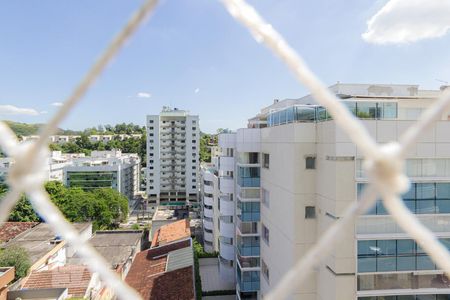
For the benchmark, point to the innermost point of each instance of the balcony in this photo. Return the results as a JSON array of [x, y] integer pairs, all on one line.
[[248, 181], [249, 249], [226, 249], [247, 228], [208, 236], [226, 206], [208, 200], [248, 262], [226, 228], [248, 281], [399, 281], [208, 223], [208, 189], [208, 211], [226, 163], [226, 184], [385, 225]]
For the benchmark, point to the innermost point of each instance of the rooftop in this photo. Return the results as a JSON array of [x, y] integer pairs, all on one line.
[[116, 246], [171, 232], [9, 230], [164, 272], [40, 240], [75, 278], [163, 213]]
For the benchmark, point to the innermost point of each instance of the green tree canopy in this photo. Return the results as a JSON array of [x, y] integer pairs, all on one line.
[[15, 257]]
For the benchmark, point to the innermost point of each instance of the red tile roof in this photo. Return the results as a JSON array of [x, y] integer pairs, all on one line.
[[171, 232], [149, 277], [75, 278], [9, 230]]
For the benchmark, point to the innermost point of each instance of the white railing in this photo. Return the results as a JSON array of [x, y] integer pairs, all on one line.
[[384, 164]]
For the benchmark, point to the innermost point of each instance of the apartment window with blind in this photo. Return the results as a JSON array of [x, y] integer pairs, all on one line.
[[265, 234], [265, 197], [310, 162], [265, 270]]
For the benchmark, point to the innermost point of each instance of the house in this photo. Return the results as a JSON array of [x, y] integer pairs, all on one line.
[[6, 277], [9, 230], [119, 248], [78, 280], [166, 270]]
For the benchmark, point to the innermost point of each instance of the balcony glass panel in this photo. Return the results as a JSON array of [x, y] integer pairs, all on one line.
[[398, 281]]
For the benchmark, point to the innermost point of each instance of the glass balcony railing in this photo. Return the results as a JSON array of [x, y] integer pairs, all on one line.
[[248, 281], [250, 216], [248, 228], [248, 262], [248, 181], [248, 250]]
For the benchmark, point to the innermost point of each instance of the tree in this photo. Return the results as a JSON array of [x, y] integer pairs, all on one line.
[[16, 257], [23, 212]]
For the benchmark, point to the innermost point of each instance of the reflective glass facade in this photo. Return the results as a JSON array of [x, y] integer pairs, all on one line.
[[422, 198], [408, 297], [394, 255]]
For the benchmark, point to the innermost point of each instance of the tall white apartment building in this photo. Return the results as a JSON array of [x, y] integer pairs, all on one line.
[[308, 172], [173, 142]]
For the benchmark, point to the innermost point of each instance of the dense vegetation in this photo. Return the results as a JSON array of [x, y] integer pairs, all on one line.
[[105, 208], [206, 142], [15, 257]]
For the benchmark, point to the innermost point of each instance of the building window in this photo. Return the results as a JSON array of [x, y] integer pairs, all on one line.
[[193, 141], [193, 187], [193, 160], [151, 134], [265, 270], [266, 160], [151, 128], [193, 174], [151, 121], [193, 168], [151, 148], [193, 147], [151, 161], [266, 198], [310, 162], [310, 212], [265, 232], [151, 141]]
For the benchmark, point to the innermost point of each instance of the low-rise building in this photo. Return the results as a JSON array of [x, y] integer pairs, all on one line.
[[165, 271], [105, 169], [6, 277], [78, 280], [118, 247]]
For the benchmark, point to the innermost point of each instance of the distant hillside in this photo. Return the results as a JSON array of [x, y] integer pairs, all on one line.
[[32, 129], [23, 128]]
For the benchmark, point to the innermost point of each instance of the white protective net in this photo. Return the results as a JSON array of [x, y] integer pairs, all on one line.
[[383, 163]]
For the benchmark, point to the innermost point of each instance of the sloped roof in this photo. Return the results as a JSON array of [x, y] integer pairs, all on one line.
[[75, 278], [150, 276], [171, 232], [9, 230]]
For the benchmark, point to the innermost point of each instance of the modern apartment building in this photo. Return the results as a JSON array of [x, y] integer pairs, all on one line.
[[209, 193], [297, 172], [105, 169], [173, 142]]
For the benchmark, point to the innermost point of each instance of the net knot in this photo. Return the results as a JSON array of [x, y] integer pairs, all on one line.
[[30, 166], [387, 170]]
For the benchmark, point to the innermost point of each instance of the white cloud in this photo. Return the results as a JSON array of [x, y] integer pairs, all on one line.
[[143, 95], [405, 21], [14, 110], [196, 90], [57, 103]]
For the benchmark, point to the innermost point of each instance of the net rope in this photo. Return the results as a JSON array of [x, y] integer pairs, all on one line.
[[384, 163]]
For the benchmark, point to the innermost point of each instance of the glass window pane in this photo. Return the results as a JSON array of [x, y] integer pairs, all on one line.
[[446, 243], [386, 247], [443, 190], [367, 248], [406, 263], [367, 264], [425, 190], [366, 110], [443, 206], [425, 207], [406, 297], [405, 247], [424, 263], [389, 110], [385, 264], [426, 297]]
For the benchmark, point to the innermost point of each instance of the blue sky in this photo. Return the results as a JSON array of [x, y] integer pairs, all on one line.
[[191, 54]]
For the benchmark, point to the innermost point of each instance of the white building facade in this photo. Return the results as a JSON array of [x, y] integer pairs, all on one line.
[[173, 142], [303, 172], [105, 169]]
